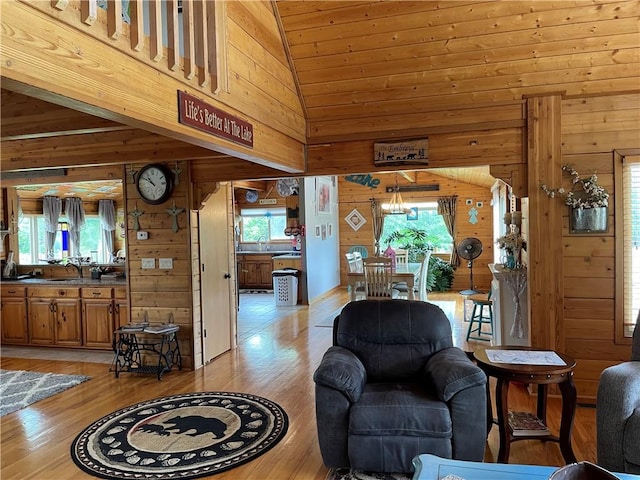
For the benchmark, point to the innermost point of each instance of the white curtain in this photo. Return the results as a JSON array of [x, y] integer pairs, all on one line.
[[75, 216], [51, 209], [107, 214]]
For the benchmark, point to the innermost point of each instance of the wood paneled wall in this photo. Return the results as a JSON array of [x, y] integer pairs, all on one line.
[[591, 129], [162, 294], [352, 195]]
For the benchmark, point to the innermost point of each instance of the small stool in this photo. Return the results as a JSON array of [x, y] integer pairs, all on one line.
[[478, 316]]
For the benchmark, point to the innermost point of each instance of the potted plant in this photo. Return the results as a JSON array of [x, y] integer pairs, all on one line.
[[512, 244], [416, 241], [588, 202]]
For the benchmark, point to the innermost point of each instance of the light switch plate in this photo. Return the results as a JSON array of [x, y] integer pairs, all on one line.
[[142, 235], [166, 263], [149, 263]]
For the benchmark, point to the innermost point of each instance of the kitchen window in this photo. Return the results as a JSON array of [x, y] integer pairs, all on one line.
[[31, 240], [263, 224]]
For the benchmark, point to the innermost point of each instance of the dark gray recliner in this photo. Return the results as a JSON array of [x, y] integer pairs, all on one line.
[[393, 386], [618, 413]]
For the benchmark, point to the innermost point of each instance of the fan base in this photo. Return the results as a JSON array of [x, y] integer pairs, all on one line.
[[468, 292]]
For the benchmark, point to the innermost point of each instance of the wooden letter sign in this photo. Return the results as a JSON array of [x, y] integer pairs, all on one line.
[[408, 152], [198, 114]]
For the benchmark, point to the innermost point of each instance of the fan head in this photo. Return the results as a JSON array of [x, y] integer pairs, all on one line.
[[469, 248]]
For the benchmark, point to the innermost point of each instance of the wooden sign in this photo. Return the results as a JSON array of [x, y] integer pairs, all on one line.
[[197, 114], [268, 201], [408, 152]]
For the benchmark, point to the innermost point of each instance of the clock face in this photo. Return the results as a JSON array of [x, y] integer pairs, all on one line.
[[155, 183]]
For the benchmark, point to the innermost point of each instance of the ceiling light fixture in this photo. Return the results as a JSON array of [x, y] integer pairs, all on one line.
[[396, 205]]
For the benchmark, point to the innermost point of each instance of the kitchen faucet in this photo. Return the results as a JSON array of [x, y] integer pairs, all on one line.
[[77, 266], [261, 241]]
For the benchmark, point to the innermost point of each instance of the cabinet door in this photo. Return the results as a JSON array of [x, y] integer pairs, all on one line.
[[97, 323], [41, 321], [14, 321], [67, 322], [266, 275], [242, 275], [251, 274]]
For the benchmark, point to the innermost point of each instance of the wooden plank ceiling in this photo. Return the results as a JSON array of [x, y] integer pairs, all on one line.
[[376, 70]]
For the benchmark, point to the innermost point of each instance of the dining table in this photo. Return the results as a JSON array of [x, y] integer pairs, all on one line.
[[401, 272]]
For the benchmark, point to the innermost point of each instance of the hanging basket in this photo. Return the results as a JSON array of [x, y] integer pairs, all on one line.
[[589, 220]]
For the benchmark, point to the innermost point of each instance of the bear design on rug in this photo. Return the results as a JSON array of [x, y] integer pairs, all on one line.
[[179, 425]]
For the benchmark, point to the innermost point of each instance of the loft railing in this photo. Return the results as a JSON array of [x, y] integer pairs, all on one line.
[[182, 38]]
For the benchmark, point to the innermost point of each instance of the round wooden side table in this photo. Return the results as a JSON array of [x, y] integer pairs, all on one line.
[[541, 375]]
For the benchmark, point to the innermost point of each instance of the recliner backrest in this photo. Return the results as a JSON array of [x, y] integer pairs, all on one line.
[[392, 338]]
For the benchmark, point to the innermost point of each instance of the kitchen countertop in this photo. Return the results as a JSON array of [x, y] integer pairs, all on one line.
[[266, 252]]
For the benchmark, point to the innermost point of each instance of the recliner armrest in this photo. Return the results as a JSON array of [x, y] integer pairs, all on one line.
[[451, 371], [342, 370]]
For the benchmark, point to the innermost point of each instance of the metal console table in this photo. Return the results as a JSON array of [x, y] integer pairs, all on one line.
[[130, 342]]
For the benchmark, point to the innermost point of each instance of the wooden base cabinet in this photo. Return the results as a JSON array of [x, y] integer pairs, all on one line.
[[54, 316], [254, 271], [102, 313], [14, 316]]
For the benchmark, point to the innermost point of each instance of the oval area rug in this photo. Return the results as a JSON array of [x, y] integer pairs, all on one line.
[[180, 436]]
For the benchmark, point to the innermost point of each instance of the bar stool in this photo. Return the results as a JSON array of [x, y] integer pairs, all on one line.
[[480, 302]]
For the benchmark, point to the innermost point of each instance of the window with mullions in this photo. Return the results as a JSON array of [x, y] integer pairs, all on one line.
[[627, 215], [263, 224], [32, 246], [428, 220]]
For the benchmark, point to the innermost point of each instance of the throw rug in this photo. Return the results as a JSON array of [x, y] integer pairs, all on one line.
[[19, 388], [346, 474], [190, 435]]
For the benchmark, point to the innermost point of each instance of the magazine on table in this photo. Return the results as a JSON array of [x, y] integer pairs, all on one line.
[[524, 424]]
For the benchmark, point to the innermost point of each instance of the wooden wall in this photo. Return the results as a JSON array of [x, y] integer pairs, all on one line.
[[352, 195], [162, 294], [591, 129]]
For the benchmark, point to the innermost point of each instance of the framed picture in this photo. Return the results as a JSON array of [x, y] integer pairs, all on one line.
[[479, 204], [469, 201], [355, 219], [324, 231], [330, 229], [317, 231], [413, 215], [323, 195]]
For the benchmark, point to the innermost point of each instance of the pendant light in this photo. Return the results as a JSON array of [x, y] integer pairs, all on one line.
[[396, 205]]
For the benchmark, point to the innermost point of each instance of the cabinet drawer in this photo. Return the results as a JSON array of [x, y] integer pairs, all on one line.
[[120, 292], [54, 292], [13, 291], [96, 292]]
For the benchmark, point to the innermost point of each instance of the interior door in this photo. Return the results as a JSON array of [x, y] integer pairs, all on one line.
[[215, 237]]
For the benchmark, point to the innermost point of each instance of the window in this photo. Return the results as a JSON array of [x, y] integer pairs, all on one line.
[[31, 239], [428, 220], [627, 198], [263, 224]]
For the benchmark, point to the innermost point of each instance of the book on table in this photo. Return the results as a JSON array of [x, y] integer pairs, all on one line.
[[524, 424]]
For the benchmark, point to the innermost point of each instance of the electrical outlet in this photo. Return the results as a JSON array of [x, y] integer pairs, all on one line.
[[142, 235], [149, 263], [166, 263]]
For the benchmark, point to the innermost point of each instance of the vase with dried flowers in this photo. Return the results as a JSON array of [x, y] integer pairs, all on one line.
[[511, 243], [588, 202]]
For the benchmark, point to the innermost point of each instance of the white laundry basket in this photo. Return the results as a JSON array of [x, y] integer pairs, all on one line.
[[285, 287]]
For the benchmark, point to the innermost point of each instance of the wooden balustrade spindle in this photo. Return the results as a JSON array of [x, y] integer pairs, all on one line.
[[114, 19], [155, 28], [173, 51], [136, 27], [189, 39], [201, 41], [89, 11]]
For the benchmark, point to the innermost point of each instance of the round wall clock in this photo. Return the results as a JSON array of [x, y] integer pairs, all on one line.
[[155, 183], [251, 196]]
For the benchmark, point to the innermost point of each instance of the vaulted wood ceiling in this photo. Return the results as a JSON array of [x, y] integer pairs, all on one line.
[[378, 70]]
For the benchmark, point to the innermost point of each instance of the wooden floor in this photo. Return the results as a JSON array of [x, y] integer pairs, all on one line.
[[279, 348]]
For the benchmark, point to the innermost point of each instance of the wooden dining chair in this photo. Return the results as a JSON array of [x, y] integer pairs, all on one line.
[[378, 278], [402, 256], [354, 262], [420, 288]]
